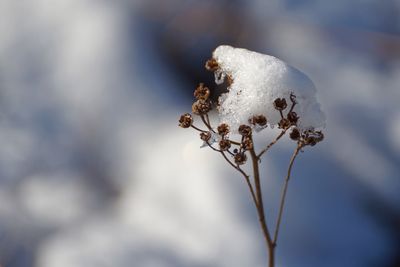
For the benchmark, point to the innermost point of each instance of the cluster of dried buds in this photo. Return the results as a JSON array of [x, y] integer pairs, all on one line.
[[221, 135], [304, 138]]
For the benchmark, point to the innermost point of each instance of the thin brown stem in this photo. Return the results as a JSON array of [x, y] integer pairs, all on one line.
[[235, 143], [271, 144], [260, 208], [198, 129], [283, 194], [246, 177], [206, 123]]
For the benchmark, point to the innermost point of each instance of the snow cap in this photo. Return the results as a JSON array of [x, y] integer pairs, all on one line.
[[258, 80]]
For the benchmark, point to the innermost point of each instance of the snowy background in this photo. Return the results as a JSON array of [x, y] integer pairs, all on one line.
[[95, 172]]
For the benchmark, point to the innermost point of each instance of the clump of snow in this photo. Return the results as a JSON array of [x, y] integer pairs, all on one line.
[[258, 80]]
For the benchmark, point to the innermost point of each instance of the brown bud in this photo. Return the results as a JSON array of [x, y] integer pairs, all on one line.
[[295, 134], [212, 65], [310, 140], [202, 92], [205, 136], [244, 130], [185, 120], [283, 123], [247, 144], [223, 129], [201, 107], [258, 119], [240, 158], [224, 144], [312, 137], [280, 104], [292, 117]]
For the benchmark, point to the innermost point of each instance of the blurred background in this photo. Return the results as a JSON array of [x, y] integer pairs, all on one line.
[[95, 172]]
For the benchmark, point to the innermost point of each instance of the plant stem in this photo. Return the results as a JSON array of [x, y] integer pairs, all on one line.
[[271, 144], [260, 208], [283, 194]]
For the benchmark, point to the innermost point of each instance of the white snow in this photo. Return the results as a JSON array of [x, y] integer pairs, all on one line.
[[259, 79]]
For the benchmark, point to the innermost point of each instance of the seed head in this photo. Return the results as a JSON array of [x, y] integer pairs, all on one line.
[[258, 120], [223, 129], [280, 104], [247, 144], [212, 65], [283, 123], [202, 92], [205, 136], [224, 144], [295, 134], [240, 158], [244, 130], [201, 107], [185, 120]]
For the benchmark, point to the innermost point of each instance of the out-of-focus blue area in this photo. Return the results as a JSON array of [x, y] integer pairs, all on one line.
[[95, 172]]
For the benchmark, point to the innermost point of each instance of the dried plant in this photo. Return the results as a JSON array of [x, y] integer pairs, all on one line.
[[240, 151]]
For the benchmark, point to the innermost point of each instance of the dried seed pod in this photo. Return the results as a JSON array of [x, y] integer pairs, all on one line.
[[258, 120], [185, 120], [244, 130], [247, 144], [280, 104], [224, 144], [292, 117], [201, 107], [284, 123], [310, 140], [223, 129], [205, 136], [240, 158], [202, 92], [295, 134], [212, 65]]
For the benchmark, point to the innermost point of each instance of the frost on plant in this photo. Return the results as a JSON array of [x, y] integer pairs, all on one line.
[[263, 92]]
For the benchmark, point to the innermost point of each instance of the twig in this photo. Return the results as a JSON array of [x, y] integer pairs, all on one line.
[[246, 177], [260, 208], [198, 129], [284, 190], [271, 144]]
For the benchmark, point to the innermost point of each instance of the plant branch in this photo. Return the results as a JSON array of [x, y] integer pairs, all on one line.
[[284, 191], [271, 144], [246, 177], [260, 208]]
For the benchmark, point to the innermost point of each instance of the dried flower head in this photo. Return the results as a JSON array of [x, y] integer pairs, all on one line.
[[212, 65], [260, 120], [280, 104], [244, 130], [202, 92], [284, 123], [240, 158], [224, 144], [312, 137], [201, 107], [205, 136], [247, 143], [295, 134], [185, 120], [223, 129]]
